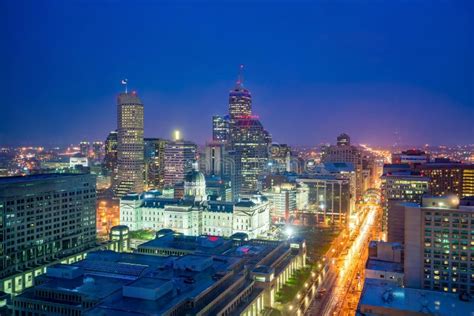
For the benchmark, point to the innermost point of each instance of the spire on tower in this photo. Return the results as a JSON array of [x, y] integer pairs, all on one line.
[[240, 78], [125, 83]]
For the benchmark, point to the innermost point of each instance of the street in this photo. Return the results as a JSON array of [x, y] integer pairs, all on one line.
[[346, 269]]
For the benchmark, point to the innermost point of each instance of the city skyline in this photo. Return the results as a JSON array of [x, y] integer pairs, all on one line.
[[347, 71], [262, 157]]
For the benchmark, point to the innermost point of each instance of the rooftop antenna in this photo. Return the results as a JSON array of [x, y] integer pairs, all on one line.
[[125, 83], [240, 78]]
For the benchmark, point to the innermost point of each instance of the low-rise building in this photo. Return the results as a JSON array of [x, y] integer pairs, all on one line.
[[381, 298], [220, 218], [239, 279], [385, 262]]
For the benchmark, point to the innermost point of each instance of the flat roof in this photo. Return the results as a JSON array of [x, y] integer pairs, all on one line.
[[382, 294], [382, 265], [38, 177], [148, 283], [207, 244]]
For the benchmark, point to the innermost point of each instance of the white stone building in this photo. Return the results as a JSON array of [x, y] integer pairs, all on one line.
[[195, 215]]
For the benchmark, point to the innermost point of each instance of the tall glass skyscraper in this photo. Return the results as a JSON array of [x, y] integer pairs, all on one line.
[[240, 101], [130, 148], [251, 143], [154, 162], [178, 160], [248, 139], [220, 128]]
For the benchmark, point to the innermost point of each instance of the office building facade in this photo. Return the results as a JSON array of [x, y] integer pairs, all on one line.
[[43, 218], [450, 177], [344, 152], [130, 148], [220, 128], [403, 186], [110, 155], [439, 242], [154, 156], [329, 197], [179, 156]]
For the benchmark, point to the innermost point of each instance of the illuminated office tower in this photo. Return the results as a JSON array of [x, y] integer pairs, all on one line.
[[215, 155], [412, 157], [280, 158], [450, 177], [98, 150], [154, 162], [250, 142], [248, 139], [343, 151], [179, 157], [84, 148], [329, 196], [438, 245], [220, 128], [110, 158], [130, 164], [343, 140], [401, 186], [240, 100], [43, 218]]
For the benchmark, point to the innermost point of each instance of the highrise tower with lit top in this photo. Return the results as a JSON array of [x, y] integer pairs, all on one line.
[[247, 138], [130, 147]]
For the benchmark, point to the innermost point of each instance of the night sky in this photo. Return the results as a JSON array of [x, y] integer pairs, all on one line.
[[367, 68]]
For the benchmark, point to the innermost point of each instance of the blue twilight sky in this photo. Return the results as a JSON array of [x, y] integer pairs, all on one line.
[[315, 69]]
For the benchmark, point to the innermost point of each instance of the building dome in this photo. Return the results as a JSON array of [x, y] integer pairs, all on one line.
[[195, 176], [195, 185]]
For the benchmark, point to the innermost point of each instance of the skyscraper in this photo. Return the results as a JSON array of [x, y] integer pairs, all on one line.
[[178, 159], [240, 100], [248, 139], [345, 152], [110, 159], [130, 164], [438, 245], [43, 218], [154, 162], [84, 148], [220, 128], [402, 186], [215, 154], [97, 150]]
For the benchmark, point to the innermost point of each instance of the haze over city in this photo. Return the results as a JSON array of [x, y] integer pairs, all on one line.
[[314, 69]]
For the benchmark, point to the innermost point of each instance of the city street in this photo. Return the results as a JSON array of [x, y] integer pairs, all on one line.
[[340, 289]]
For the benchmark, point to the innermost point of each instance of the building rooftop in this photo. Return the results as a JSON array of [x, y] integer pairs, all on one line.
[[375, 243], [135, 284], [205, 244], [406, 174], [335, 167], [382, 294], [38, 177], [382, 265], [324, 177]]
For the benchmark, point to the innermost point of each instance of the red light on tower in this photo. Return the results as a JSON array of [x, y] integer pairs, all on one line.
[[213, 238]]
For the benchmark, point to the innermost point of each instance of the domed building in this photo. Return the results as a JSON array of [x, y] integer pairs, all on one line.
[[195, 185]]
